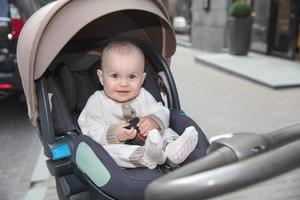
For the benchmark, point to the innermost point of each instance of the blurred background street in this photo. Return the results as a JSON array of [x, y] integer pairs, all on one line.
[[221, 91]]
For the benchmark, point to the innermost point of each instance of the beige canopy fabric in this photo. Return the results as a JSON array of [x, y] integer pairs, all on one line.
[[50, 28]]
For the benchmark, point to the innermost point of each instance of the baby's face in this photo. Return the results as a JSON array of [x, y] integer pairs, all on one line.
[[122, 76]]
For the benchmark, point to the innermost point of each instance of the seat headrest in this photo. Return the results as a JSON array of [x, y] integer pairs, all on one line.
[[80, 62], [77, 77]]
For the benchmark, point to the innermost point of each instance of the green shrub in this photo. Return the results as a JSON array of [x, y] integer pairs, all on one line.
[[240, 9]]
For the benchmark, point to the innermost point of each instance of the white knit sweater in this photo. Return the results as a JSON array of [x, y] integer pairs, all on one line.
[[101, 115]]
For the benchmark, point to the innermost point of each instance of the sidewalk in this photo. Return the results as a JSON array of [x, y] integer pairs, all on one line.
[[19, 147], [222, 103], [270, 71], [267, 70]]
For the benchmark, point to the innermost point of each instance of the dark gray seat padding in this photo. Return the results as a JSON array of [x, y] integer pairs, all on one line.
[[77, 78], [61, 116]]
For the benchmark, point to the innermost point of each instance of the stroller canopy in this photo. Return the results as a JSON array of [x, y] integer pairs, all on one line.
[[62, 22]]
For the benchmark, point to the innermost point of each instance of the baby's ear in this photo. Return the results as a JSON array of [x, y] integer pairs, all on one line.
[[100, 75], [143, 78]]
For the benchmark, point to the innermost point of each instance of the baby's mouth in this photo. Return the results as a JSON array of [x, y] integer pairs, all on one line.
[[123, 92]]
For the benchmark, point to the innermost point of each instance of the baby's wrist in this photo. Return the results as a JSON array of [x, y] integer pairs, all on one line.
[[112, 136]]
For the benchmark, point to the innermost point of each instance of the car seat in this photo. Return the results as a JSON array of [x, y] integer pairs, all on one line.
[[65, 88]]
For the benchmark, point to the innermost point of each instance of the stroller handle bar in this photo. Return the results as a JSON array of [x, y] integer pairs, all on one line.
[[217, 173], [285, 135]]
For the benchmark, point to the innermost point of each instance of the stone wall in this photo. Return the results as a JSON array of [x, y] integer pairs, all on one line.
[[209, 27]]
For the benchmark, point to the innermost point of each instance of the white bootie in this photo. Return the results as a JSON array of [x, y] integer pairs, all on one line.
[[154, 147], [178, 150]]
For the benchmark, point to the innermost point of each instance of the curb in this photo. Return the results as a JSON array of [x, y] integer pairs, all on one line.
[[39, 180], [183, 43]]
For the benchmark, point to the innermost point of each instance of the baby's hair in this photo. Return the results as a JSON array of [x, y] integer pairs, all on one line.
[[120, 48]]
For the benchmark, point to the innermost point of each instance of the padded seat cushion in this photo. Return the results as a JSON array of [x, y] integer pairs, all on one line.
[[116, 182]]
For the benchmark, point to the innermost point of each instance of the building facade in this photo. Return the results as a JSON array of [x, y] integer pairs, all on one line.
[[275, 29]]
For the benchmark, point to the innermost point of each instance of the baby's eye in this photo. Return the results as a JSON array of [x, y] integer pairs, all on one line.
[[132, 76], [114, 75]]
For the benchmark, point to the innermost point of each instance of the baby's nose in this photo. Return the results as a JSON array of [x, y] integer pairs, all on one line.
[[124, 82]]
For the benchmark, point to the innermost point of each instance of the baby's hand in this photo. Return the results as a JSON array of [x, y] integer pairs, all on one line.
[[146, 124], [123, 133]]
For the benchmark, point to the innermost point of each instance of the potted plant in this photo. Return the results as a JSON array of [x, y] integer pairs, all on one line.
[[239, 27]]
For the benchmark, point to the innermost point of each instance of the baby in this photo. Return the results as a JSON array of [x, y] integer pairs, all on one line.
[[106, 114]]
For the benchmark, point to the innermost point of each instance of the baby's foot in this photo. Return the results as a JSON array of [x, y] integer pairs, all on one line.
[[178, 150], [154, 147]]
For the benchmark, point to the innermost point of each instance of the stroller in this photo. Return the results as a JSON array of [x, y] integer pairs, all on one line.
[[58, 55]]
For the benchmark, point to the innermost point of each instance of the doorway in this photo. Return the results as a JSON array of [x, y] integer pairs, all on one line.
[[261, 25], [283, 40]]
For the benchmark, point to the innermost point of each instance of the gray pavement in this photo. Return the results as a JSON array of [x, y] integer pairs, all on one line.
[[19, 149], [270, 71], [222, 103]]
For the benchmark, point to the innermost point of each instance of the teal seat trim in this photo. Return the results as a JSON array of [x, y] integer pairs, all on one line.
[[182, 113], [61, 151], [89, 163]]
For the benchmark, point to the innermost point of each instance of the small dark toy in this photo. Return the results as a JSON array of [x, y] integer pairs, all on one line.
[[139, 139]]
